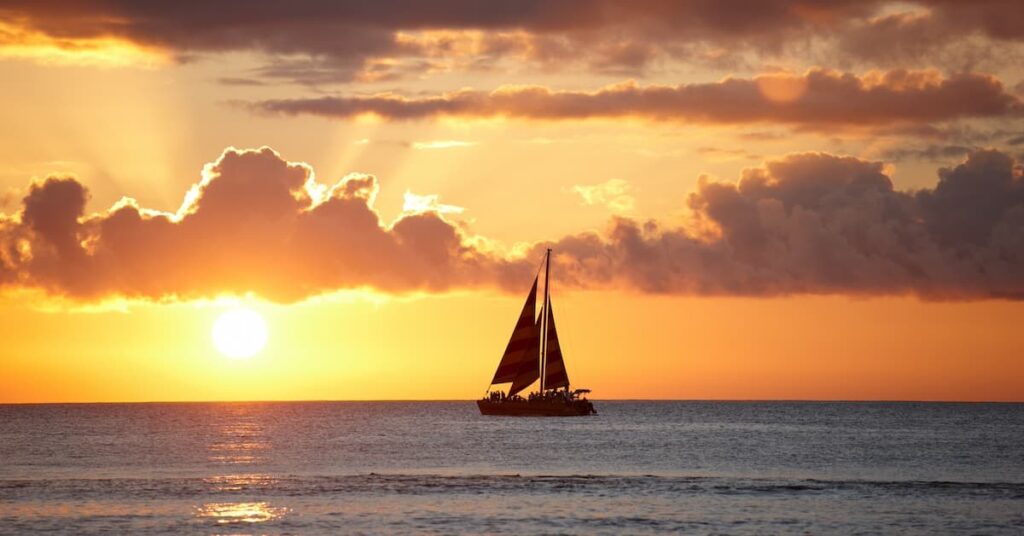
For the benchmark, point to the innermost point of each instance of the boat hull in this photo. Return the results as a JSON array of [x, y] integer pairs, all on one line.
[[536, 408]]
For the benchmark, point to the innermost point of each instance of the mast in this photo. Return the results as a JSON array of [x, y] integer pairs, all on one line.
[[544, 325]]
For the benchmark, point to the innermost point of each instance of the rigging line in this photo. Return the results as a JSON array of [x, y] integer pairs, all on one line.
[[565, 328], [546, 312], [545, 264]]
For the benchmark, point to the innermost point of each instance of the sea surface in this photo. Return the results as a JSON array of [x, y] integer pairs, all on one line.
[[441, 468]]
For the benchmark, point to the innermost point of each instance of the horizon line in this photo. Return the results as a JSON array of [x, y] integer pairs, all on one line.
[[433, 400]]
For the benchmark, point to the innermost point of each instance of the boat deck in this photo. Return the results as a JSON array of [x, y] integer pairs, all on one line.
[[536, 408]]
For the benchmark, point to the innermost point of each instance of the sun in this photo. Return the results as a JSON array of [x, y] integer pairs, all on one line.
[[239, 333]]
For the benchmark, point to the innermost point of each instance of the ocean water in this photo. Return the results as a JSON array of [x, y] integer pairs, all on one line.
[[441, 468]]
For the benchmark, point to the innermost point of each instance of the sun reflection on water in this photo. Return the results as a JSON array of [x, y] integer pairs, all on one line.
[[243, 512], [239, 482], [241, 441], [239, 438]]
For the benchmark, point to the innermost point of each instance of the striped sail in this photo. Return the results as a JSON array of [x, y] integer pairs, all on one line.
[[529, 368], [524, 345], [555, 375]]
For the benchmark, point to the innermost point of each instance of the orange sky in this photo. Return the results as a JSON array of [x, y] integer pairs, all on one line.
[[769, 203], [623, 346]]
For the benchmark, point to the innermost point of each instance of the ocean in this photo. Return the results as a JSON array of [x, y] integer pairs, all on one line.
[[441, 468]]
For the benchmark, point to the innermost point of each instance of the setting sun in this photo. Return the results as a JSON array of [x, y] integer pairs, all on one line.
[[239, 333]]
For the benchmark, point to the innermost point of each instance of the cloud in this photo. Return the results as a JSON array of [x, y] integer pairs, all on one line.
[[958, 35], [237, 81], [810, 223], [254, 223], [818, 99], [319, 41], [819, 223], [613, 193]]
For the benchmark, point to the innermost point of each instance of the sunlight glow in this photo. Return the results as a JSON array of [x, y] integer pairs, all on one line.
[[19, 42], [240, 333], [418, 204], [782, 87]]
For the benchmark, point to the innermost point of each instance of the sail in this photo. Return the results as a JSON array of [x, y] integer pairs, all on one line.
[[529, 368], [524, 344], [555, 375]]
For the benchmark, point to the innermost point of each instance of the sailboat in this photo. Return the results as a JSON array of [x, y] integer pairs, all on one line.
[[533, 353]]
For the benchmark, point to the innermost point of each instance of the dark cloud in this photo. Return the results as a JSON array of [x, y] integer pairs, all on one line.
[[759, 136], [306, 25], [954, 34], [237, 81], [314, 41], [999, 19], [332, 40], [809, 223], [922, 38], [818, 99], [893, 38]]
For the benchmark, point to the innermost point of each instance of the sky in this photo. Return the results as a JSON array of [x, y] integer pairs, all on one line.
[[778, 199]]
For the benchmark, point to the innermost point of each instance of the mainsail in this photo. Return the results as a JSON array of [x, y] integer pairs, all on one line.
[[555, 375], [522, 350]]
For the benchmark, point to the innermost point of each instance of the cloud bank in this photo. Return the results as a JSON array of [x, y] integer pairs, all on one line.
[[818, 223], [255, 223], [320, 40], [817, 99], [807, 223]]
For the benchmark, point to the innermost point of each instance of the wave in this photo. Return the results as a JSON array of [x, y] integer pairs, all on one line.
[[513, 484]]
